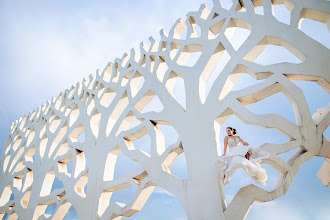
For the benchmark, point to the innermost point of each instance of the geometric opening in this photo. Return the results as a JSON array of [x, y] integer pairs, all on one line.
[[170, 134], [29, 155], [312, 90], [123, 196], [136, 83], [237, 36], [71, 213], [80, 187], [50, 209], [81, 138], [57, 184], [107, 97], [245, 80], [326, 133], [190, 55], [143, 143], [285, 156], [4, 216], [95, 122], [6, 196], [27, 180], [25, 199], [272, 175], [126, 78], [47, 183], [54, 124], [69, 167], [123, 165], [271, 50], [77, 135], [62, 149], [110, 164], [239, 79], [259, 10], [238, 180], [146, 99], [174, 50], [160, 204], [281, 13], [215, 29], [135, 123], [193, 58], [18, 181], [180, 30], [127, 123], [209, 69], [226, 4], [139, 140], [161, 69], [179, 167], [65, 165], [30, 138], [103, 202], [57, 141], [196, 30], [12, 197], [74, 114], [275, 104], [16, 144], [179, 91], [273, 54], [117, 112], [316, 30], [154, 105], [175, 86], [81, 163], [175, 162], [217, 71]]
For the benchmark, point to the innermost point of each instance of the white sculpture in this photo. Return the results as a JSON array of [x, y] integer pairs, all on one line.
[[43, 143]]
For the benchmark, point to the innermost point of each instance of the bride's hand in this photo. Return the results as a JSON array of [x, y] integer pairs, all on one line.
[[246, 144]]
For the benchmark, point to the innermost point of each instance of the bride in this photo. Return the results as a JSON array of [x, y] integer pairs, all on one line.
[[241, 156]]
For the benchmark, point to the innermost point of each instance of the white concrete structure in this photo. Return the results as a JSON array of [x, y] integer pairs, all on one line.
[[107, 106]]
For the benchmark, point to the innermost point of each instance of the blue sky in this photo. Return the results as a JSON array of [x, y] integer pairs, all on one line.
[[47, 46]]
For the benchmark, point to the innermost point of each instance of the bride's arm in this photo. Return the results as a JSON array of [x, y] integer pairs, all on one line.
[[225, 142], [243, 142]]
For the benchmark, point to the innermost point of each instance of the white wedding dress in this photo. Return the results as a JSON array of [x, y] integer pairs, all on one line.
[[235, 158]]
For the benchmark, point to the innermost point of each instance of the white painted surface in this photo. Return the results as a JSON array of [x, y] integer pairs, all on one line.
[[49, 142]]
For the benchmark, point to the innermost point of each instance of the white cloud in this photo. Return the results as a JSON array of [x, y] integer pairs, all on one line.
[[50, 49], [159, 190], [275, 210], [323, 213]]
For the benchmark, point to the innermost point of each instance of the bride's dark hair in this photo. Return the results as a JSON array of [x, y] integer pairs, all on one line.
[[233, 129]]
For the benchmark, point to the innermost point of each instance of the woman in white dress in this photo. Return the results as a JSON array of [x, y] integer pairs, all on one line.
[[241, 156]]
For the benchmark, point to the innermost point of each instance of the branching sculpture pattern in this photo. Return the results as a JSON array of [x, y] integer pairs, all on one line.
[[77, 136]]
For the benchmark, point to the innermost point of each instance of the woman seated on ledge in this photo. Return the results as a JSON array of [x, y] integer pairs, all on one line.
[[241, 156]]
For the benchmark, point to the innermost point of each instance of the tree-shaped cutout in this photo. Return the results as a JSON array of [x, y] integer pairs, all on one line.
[[78, 135]]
